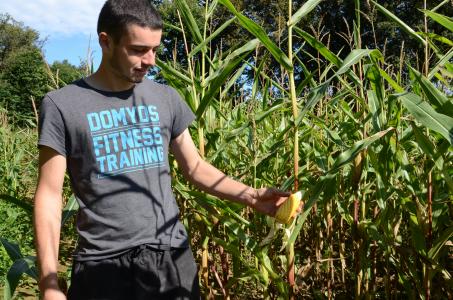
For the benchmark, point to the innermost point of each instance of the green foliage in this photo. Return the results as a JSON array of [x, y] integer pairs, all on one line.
[[373, 219], [18, 172], [17, 226], [65, 73], [174, 47], [24, 79], [374, 136], [14, 36], [23, 76]]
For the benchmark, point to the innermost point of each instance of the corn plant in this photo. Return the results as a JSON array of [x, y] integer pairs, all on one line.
[[368, 143], [18, 173], [358, 133]]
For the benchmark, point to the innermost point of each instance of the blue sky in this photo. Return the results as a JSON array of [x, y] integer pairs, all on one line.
[[67, 26]]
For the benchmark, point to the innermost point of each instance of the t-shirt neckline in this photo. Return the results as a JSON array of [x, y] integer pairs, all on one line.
[[118, 94]]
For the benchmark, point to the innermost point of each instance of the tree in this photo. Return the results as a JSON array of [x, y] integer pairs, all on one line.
[[66, 72], [332, 22], [173, 39], [24, 77], [14, 36], [23, 72]]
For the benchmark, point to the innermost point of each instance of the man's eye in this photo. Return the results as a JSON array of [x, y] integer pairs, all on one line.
[[139, 50]]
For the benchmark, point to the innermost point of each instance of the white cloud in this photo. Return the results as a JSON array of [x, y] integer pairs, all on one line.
[[56, 17]]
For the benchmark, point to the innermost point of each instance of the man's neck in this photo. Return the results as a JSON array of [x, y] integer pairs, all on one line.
[[105, 81]]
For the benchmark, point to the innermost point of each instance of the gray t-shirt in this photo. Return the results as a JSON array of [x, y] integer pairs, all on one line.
[[116, 145]]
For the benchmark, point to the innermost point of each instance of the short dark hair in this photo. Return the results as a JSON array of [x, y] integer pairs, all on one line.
[[116, 15]]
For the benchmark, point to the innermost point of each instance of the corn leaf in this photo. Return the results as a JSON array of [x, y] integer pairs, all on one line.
[[308, 81], [355, 56], [211, 37], [442, 62], [231, 81], [32, 269], [7, 291], [440, 5], [439, 243], [303, 11], [315, 95], [436, 37], [392, 82], [246, 48], [397, 20], [374, 76], [12, 249], [314, 195], [19, 267], [418, 238], [351, 153], [433, 95], [426, 115], [259, 33], [323, 50], [236, 229], [25, 205], [423, 142], [219, 77], [240, 130], [187, 16], [211, 9], [12, 278], [172, 26], [169, 70], [375, 108], [209, 202], [441, 19], [70, 209]]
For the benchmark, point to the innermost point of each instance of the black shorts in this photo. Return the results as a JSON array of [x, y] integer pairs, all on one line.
[[142, 273]]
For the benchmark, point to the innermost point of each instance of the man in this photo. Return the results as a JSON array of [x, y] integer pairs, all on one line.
[[113, 131]]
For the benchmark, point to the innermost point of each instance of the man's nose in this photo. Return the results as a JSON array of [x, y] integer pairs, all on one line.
[[149, 58]]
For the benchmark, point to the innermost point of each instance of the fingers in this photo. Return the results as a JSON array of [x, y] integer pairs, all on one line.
[[281, 193], [274, 192], [300, 208], [278, 196], [281, 200]]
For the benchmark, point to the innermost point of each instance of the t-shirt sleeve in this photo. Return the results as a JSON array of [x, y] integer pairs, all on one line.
[[182, 115], [51, 127]]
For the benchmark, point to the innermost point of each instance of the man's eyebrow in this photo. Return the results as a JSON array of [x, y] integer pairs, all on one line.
[[145, 46]]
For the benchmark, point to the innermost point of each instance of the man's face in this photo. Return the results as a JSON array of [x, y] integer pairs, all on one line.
[[132, 56]]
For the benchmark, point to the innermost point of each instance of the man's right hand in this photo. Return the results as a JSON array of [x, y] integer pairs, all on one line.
[[53, 294], [47, 219]]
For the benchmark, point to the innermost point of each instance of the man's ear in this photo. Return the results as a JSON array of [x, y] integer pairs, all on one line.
[[105, 41]]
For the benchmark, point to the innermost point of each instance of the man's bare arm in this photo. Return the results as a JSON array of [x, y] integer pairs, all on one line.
[[47, 219], [213, 181]]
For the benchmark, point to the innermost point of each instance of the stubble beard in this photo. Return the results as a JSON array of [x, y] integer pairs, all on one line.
[[126, 75], [136, 79], [131, 77]]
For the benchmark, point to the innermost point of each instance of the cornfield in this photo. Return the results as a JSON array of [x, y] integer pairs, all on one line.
[[368, 143]]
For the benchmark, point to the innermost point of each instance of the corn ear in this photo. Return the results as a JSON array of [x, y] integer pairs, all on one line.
[[287, 211]]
